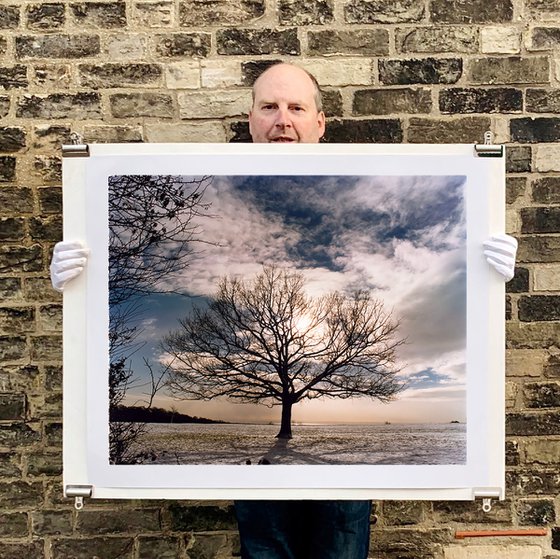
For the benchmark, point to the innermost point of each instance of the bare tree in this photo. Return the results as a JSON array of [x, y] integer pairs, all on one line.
[[152, 235], [266, 341]]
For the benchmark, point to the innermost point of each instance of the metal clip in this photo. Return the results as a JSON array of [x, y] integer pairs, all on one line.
[[76, 148], [79, 492], [487, 149]]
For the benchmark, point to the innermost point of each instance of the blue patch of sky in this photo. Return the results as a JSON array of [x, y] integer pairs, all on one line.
[[428, 378]]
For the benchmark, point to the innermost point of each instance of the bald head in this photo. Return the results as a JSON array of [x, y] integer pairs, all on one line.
[[286, 106]]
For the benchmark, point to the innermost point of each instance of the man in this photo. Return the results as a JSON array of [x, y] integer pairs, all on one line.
[[287, 108]]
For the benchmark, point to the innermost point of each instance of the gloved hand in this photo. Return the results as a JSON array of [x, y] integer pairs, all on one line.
[[500, 251], [68, 261]]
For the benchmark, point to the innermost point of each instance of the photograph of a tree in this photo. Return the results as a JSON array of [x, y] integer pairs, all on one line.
[[152, 235], [265, 340]]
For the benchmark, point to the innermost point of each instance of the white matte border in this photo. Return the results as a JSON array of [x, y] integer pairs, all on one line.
[[86, 326]]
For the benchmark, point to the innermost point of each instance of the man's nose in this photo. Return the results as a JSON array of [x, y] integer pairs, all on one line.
[[282, 117]]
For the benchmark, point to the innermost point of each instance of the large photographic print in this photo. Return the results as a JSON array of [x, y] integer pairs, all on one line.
[[284, 322], [287, 319]]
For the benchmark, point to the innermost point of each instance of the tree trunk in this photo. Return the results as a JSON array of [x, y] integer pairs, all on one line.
[[286, 424]]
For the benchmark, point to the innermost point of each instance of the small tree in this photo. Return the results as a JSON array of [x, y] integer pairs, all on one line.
[[266, 341]]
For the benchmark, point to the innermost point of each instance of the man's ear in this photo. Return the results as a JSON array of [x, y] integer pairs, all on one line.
[[321, 119]]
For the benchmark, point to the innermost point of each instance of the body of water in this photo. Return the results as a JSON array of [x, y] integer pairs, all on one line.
[[418, 444]]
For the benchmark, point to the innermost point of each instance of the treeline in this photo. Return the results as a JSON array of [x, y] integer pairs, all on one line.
[[153, 415]]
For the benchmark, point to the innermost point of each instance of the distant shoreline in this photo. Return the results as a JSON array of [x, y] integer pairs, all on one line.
[[137, 414]]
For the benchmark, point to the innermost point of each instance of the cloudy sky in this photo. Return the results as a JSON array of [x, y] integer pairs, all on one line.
[[402, 238]]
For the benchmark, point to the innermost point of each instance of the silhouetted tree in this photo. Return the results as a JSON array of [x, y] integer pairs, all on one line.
[[267, 341]]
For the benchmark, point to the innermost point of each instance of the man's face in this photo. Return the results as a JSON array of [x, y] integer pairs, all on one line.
[[284, 108]]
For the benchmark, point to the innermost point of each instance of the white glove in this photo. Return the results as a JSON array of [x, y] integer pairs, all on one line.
[[68, 261], [500, 251]]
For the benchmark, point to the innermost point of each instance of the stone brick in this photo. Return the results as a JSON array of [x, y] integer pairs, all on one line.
[[19, 550], [112, 134], [518, 159], [50, 318], [462, 130], [13, 77], [368, 131], [13, 348], [332, 103], [544, 38], [51, 522], [39, 290], [96, 522], [106, 15], [500, 40], [153, 14], [182, 75], [157, 105], [545, 453], [47, 348], [93, 548], [473, 11], [57, 46], [403, 513], [383, 11], [45, 406], [258, 41], [540, 219], [53, 434], [53, 378], [52, 76], [212, 545], [12, 406], [195, 13], [186, 132], [533, 512], [60, 106], [421, 71], [411, 544], [7, 170], [506, 551], [250, 71], [15, 258], [160, 547], [4, 106], [475, 100], [543, 9], [173, 45], [535, 130], [9, 17], [547, 158], [45, 16], [216, 74], [44, 464], [512, 453], [200, 518], [14, 525], [126, 47], [20, 494], [520, 281], [17, 319], [437, 39], [543, 395], [515, 188], [358, 42], [546, 190], [46, 229], [543, 101], [305, 12], [17, 435], [533, 483], [10, 289], [541, 248], [556, 538], [219, 104], [389, 101], [525, 362], [452, 511], [532, 423], [337, 72], [509, 70], [119, 75], [547, 279], [12, 228], [48, 169], [24, 379], [50, 137], [539, 307]]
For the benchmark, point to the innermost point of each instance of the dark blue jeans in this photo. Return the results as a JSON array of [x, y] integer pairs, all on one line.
[[304, 529]]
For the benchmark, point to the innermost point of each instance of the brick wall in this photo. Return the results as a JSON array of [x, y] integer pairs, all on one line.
[[171, 70]]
